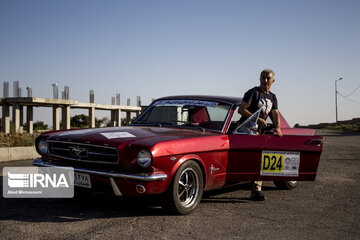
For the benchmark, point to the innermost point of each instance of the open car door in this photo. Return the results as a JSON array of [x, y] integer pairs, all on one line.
[[268, 157]]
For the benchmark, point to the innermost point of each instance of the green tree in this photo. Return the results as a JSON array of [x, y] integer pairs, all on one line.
[[79, 121], [40, 125], [123, 121], [82, 121]]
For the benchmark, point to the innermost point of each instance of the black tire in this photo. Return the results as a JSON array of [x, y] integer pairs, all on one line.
[[287, 185], [185, 190]]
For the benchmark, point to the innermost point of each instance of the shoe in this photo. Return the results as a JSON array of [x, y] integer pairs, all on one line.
[[257, 196]]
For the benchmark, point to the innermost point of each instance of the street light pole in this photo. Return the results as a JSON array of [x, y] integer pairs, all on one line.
[[336, 93]]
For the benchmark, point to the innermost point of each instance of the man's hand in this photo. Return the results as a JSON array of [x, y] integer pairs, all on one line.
[[262, 123], [278, 131], [276, 121]]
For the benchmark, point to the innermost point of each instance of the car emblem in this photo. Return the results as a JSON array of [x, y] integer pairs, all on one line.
[[212, 169], [77, 151]]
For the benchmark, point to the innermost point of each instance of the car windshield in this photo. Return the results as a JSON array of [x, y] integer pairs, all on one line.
[[199, 114]]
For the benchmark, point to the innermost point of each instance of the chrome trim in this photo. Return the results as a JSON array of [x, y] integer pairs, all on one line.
[[252, 130], [228, 119], [139, 177], [231, 105], [83, 161], [85, 144], [115, 188]]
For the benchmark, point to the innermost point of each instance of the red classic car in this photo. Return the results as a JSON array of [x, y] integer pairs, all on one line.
[[179, 147]]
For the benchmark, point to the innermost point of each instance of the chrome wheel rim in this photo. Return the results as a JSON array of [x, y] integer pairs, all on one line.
[[188, 187], [293, 182]]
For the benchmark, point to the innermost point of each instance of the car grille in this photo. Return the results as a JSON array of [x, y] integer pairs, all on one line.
[[83, 152]]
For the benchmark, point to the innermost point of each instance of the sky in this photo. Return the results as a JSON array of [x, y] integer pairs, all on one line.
[[154, 48]]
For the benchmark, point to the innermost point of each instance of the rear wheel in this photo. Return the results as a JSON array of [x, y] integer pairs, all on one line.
[[186, 189], [286, 184]]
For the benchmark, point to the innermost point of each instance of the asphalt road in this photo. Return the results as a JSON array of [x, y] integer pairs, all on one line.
[[328, 208]]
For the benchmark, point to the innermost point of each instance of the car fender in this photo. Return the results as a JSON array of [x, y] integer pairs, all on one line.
[[183, 159]]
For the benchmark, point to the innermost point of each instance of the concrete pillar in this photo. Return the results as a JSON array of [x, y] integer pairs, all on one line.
[[118, 99], [65, 117], [128, 117], [128, 114], [6, 90], [30, 119], [138, 99], [92, 117], [56, 118], [139, 105], [113, 120], [16, 117], [92, 96], [21, 116], [118, 117], [5, 118]]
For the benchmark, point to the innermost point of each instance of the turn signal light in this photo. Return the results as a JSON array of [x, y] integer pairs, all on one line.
[[140, 188]]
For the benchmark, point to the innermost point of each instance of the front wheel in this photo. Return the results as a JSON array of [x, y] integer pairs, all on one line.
[[186, 189], [286, 184]]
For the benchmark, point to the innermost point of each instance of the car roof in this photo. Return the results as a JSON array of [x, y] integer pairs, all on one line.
[[231, 100]]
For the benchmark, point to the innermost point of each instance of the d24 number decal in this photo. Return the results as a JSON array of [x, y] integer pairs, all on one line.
[[280, 163], [272, 162]]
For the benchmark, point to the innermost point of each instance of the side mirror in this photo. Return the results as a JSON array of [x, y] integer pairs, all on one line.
[[253, 129]]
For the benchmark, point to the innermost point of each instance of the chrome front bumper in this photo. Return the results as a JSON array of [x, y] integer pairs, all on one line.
[[138, 177]]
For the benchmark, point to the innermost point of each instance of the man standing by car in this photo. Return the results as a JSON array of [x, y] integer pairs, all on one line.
[[254, 99]]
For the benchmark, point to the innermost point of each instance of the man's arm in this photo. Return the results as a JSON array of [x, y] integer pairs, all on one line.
[[243, 110], [246, 114], [276, 119]]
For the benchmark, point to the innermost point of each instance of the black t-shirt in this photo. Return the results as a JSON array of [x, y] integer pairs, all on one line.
[[256, 98]]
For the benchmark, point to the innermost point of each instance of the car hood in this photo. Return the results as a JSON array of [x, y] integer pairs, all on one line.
[[117, 136]]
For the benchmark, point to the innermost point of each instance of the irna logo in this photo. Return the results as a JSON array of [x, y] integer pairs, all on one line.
[[37, 180]]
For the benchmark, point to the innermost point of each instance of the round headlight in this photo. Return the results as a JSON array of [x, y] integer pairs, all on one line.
[[43, 147], [144, 158]]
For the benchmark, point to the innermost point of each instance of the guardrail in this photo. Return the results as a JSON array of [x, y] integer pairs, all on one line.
[[17, 153]]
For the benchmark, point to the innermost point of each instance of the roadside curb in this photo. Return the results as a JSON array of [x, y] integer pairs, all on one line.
[[17, 153]]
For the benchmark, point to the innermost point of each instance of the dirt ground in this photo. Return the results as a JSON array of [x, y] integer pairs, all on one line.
[[328, 208]]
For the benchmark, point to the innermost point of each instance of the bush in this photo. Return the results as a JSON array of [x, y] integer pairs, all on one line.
[[83, 121], [40, 125], [345, 127], [18, 139]]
